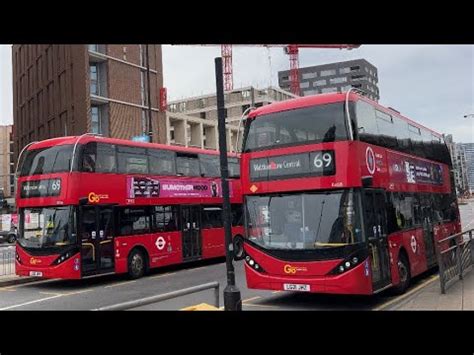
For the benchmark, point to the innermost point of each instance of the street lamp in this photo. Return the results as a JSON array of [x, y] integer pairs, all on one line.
[[469, 115], [232, 299]]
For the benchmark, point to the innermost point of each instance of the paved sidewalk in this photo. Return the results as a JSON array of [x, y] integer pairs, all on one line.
[[8, 280], [459, 296]]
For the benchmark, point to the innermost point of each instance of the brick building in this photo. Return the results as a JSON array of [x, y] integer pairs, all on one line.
[[73, 89]]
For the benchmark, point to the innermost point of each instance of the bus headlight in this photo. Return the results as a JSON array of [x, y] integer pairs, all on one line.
[[350, 262], [253, 264]]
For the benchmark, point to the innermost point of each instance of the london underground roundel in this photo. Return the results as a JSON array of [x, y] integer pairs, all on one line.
[[370, 160]]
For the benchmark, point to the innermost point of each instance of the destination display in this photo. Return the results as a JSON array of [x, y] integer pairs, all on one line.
[[145, 187], [40, 188], [316, 163]]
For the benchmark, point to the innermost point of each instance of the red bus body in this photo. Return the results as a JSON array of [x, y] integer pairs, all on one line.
[[111, 190], [386, 169]]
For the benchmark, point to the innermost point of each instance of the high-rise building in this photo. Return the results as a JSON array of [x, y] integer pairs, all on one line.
[[469, 152], [460, 166], [335, 77], [192, 122], [72, 89], [7, 168]]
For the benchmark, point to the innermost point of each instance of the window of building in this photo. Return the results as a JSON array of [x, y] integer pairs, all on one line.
[[245, 107], [245, 94], [328, 72], [309, 75], [310, 92], [132, 160], [338, 80], [94, 78], [329, 89], [355, 68], [96, 120], [284, 78], [304, 85], [344, 70], [134, 220], [319, 82], [202, 115], [358, 77]]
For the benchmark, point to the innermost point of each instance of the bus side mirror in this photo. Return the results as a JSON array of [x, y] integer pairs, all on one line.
[[367, 181], [83, 201]]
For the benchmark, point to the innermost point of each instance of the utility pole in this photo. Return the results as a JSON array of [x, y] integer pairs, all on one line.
[[232, 299], [150, 120]]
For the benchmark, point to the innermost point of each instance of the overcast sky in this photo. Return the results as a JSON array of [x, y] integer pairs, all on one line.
[[433, 85]]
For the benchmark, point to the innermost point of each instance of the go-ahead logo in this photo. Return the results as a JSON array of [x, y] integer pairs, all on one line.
[[289, 269]]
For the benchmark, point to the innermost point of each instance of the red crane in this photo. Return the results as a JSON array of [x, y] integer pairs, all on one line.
[[291, 49]]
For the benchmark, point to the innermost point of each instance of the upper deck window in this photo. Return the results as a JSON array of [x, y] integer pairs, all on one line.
[[47, 160], [316, 124]]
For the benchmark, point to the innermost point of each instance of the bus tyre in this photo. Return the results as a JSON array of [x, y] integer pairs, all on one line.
[[404, 274], [136, 264], [11, 238]]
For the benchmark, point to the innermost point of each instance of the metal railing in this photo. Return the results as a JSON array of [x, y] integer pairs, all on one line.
[[7, 261], [163, 297], [455, 256]]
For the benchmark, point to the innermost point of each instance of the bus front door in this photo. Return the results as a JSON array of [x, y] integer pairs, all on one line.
[[376, 232], [191, 232], [97, 235]]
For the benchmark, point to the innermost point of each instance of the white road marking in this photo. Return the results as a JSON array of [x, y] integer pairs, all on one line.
[[31, 302]]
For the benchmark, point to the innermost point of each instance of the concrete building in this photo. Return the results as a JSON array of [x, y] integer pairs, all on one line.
[[469, 152], [192, 122], [460, 165], [335, 77], [73, 89], [7, 168]]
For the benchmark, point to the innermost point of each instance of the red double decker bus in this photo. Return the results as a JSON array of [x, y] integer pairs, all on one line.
[[342, 196], [90, 205]]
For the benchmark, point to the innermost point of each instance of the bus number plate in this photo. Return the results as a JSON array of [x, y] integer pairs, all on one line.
[[36, 273], [296, 287]]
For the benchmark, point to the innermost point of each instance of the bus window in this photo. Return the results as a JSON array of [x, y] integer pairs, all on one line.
[[134, 221], [210, 166], [234, 167], [187, 164], [47, 160], [211, 217], [166, 218], [98, 157], [323, 123], [162, 162], [132, 160]]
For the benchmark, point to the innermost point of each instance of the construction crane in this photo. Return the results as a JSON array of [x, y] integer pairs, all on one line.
[[291, 49]]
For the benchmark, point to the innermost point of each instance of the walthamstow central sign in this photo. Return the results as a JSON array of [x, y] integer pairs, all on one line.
[[318, 163]]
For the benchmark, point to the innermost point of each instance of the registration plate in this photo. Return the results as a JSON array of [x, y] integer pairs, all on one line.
[[296, 287], [36, 273]]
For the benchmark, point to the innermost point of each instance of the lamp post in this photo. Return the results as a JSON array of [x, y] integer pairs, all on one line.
[[470, 115], [150, 120], [232, 299]]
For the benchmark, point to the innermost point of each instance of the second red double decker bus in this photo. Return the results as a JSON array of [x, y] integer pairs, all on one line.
[[90, 205], [342, 195]]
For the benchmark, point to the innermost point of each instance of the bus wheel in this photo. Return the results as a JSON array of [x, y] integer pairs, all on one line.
[[11, 238], [136, 264], [404, 274]]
